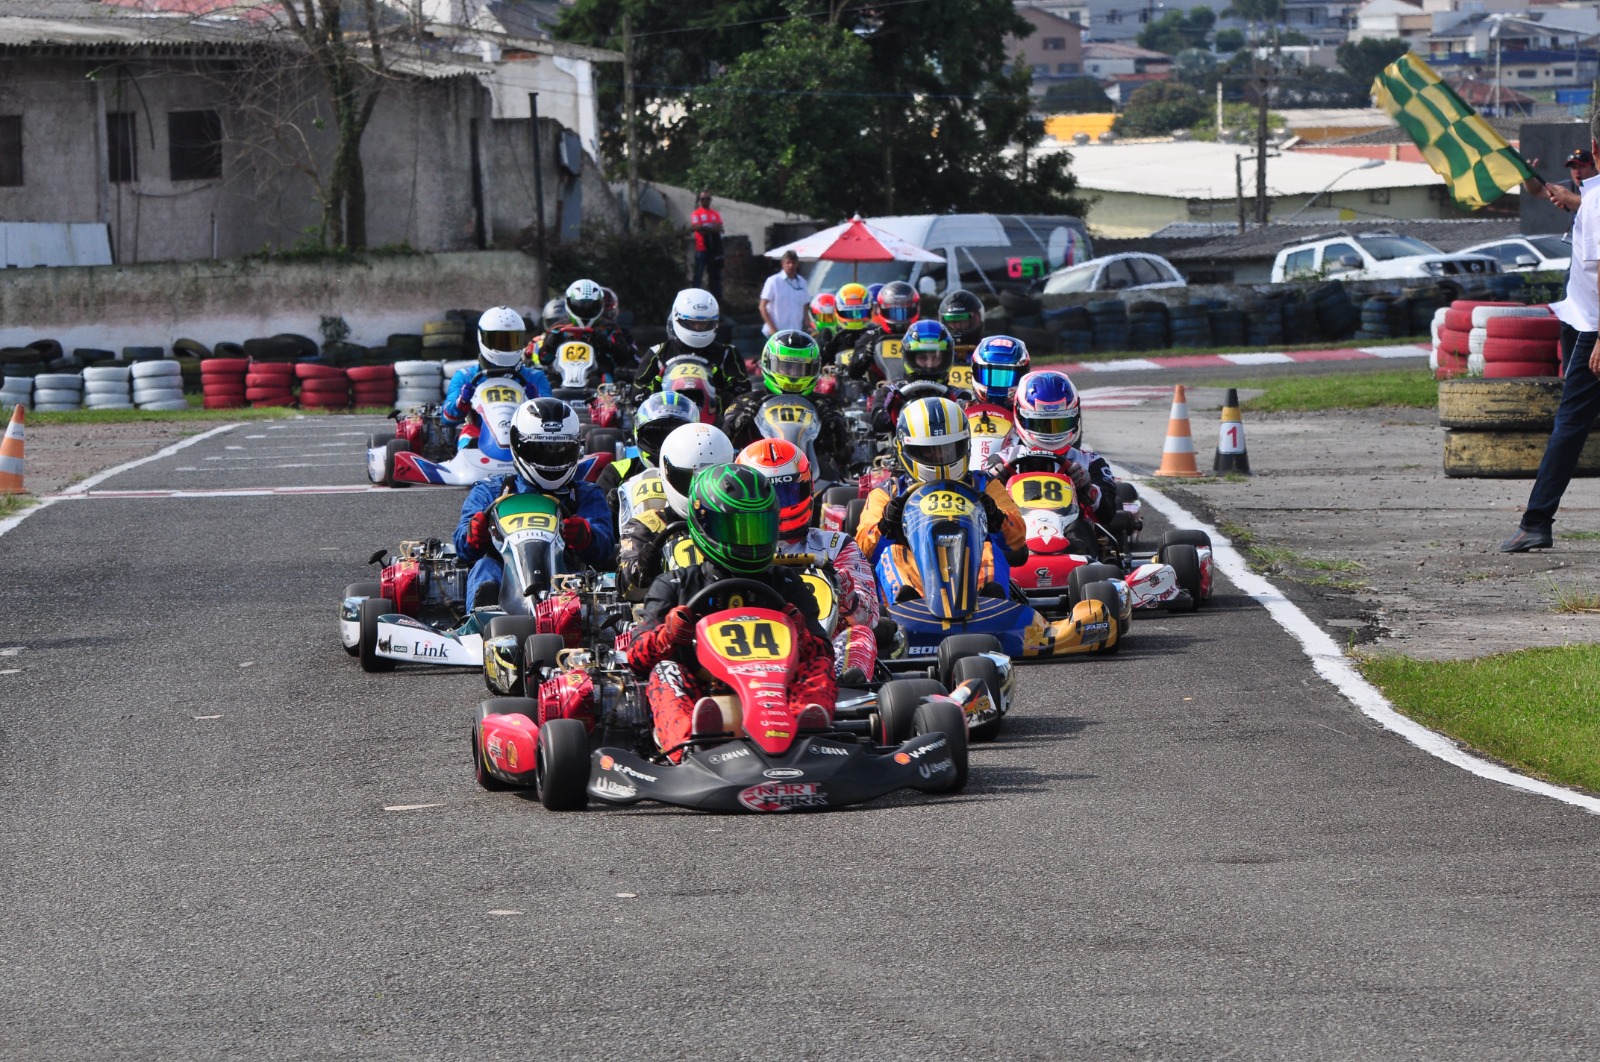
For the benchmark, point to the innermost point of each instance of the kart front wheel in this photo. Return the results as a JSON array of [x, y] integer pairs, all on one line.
[[983, 669], [963, 645], [390, 449], [945, 717], [1185, 561], [367, 649], [897, 707], [562, 776], [1107, 595], [1085, 574], [360, 590]]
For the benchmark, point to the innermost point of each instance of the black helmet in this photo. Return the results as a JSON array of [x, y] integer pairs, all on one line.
[[962, 313], [897, 305]]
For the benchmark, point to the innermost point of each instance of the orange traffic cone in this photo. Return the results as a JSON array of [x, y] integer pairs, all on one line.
[[1177, 455], [11, 454]]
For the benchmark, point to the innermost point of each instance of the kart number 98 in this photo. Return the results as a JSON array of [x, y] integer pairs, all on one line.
[[960, 376], [751, 640]]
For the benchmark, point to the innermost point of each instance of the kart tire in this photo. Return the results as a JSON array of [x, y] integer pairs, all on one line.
[[562, 775], [936, 717], [107, 373], [1085, 574], [981, 667], [367, 649], [840, 495], [154, 370], [852, 516], [1508, 454], [1185, 561], [390, 449], [1126, 492], [377, 440], [540, 651], [1190, 537], [57, 397], [146, 395], [361, 590], [518, 627], [59, 381], [604, 440], [954, 648], [1103, 592], [898, 701]]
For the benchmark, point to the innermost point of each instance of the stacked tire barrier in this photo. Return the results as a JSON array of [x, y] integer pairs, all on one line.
[[1147, 326], [269, 384], [1263, 323], [57, 392], [322, 386], [223, 382], [1299, 320], [373, 386], [1227, 326], [1191, 325], [158, 385], [1478, 337], [1108, 322], [444, 339], [1498, 428], [1336, 314], [108, 387], [418, 383], [1454, 337], [1384, 317], [1518, 345], [1072, 328]]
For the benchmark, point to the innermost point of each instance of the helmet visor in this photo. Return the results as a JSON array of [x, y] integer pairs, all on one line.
[[997, 377], [741, 529], [585, 309], [792, 364], [652, 433], [695, 324], [504, 342], [550, 453], [899, 314], [854, 314], [678, 478], [927, 358], [1062, 425], [937, 453]]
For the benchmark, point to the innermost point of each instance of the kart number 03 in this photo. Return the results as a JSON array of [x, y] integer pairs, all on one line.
[[751, 640], [945, 503], [501, 394]]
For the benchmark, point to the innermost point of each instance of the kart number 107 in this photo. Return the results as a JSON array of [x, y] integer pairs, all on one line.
[[751, 640]]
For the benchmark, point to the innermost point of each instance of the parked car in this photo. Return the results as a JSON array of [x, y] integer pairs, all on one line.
[[1378, 255], [982, 252], [1527, 254], [1134, 271]]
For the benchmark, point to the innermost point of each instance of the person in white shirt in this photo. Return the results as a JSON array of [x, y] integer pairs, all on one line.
[[784, 298], [1580, 389]]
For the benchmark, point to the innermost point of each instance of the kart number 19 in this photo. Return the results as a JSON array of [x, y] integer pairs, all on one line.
[[514, 522], [751, 640]]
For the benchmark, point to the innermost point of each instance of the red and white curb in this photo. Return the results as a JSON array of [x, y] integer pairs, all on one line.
[[1213, 361]]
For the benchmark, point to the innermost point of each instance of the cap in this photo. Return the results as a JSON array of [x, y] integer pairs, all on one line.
[[1580, 156]]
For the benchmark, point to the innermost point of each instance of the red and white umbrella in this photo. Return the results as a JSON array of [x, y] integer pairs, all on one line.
[[855, 241]]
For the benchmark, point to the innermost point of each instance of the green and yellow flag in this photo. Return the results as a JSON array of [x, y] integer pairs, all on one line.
[[1462, 148]]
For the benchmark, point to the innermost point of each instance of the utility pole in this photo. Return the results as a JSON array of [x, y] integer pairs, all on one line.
[[538, 196], [628, 117], [1219, 106], [1263, 81], [1238, 186]]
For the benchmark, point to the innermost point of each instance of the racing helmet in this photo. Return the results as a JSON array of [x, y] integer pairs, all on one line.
[[555, 312], [897, 306], [545, 443], [691, 379], [1048, 412], [695, 317], [854, 307], [824, 314], [872, 294], [790, 363], [933, 440], [502, 334], [586, 303], [962, 313], [927, 351], [789, 471], [998, 364], [609, 308], [656, 418], [687, 450], [733, 518]]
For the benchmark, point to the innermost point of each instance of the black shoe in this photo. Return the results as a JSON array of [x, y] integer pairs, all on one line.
[[907, 592], [487, 596], [1524, 540]]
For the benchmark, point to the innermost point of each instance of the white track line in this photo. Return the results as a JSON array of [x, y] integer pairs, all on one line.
[[221, 492], [84, 486], [1331, 663]]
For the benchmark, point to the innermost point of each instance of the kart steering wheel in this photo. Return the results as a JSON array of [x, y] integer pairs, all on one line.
[[697, 603]]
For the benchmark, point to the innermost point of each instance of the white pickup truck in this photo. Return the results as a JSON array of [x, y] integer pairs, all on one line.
[[1379, 255]]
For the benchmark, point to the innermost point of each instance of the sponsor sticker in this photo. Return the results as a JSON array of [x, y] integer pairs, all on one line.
[[725, 757], [782, 772], [612, 787], [782, 796], [928, 770]]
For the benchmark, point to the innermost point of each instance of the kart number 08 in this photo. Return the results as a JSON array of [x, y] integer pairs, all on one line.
[[751, 640], [945, 503]]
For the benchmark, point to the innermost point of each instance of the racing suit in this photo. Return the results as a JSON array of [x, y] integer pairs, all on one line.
[[728, 373], [874, 538], [838, 341], [661, 647], [855, 643], [586, 527], [862, 363], [645, 547], [833, 433], [613, 347], [1092, 479], [614, 475], [888, 399], [457, 408]]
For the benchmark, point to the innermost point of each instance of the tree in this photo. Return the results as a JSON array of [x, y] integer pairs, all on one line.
[[1193, 67], [1076, 95], [1159, 108], [1365, 59], [1229, 40], [1178, 30], [1255, 12]]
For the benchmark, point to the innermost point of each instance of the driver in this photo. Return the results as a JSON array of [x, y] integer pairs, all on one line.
[[897, 304], [933, 441], [501, 337], [927, 353], [692, 332], [654, 420], [733, 520], [586, 307], [648, 541], [545, 449], [791, 364], [1049, 427]]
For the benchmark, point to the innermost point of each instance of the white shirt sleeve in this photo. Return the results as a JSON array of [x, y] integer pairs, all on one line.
[[769, 289]]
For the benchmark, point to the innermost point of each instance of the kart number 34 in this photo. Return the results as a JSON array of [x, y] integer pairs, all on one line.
[[945, 503], [751, 640]]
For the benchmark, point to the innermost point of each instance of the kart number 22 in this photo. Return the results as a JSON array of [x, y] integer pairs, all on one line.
[[751, 640]]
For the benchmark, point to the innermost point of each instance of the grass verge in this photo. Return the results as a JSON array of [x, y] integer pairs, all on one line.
[[1411, 388], [11, 504], [1537, 709]]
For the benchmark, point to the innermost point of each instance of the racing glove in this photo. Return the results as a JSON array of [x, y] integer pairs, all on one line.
[[991, 511], [892, 525], [576, 533], [478, 532], [679, 627], [1079, 476]]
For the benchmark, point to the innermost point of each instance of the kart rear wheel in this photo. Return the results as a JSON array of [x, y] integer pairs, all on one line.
[[562, 776], [1197, 539], [604, 440], [1185, 561], [936, 717], [518, 627], [852, 516], [1126, 492], [898, 702], [983, 669], [840, 495], [1085, 574], [367, 650], [1107, 595], [539, 651], [361, 590], [390, 449], [961, 645]]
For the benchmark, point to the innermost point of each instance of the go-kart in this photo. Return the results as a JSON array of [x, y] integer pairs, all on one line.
[[945, 533], [764, 758], [1176, 577], [397, 462]]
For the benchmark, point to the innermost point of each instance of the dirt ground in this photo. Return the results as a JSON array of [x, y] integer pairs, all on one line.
[[1349, 512]]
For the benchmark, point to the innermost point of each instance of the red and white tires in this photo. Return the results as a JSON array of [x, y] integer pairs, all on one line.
[[222, 382]]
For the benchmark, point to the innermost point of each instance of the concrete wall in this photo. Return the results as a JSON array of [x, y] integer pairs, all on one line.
[[111, 307]]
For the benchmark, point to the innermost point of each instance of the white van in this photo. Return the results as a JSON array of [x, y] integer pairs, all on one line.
[[983, 252]]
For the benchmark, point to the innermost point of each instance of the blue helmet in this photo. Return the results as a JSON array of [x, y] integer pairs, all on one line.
[[998, 364], [1049, 416], [657, 417], [927, 351]]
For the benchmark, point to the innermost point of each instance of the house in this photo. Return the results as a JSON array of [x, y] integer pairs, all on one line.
[[1491, 97], [1106, 60], [1054, 50], [1118, 20], [1326, 22], [194, 136], [1391, 19], [1542, 50]]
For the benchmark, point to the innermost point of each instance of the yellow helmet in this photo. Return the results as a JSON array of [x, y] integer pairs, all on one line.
[[933, 440]]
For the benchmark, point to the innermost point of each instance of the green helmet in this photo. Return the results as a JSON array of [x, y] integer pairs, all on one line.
[[733, 518], [791, 363]]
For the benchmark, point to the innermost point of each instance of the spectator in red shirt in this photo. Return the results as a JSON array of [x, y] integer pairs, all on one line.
[[707, 226]]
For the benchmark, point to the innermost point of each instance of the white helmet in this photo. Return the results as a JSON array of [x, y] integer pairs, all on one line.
[[695, 318], [502, 333], [545, 444], [687, 450], [586, 303]]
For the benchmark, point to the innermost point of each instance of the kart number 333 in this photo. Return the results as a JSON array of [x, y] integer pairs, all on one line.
[[751, 640], [945, 503]]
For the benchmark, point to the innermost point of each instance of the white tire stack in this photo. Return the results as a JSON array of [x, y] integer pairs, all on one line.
[[57, 392], [16, 391], [453, 367], [106, 387], [158, 385], [418, 383], [1480, 334], [1436, 328]]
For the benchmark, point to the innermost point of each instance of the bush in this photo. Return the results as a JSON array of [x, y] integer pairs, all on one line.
[[1160, 107], [645, 269]]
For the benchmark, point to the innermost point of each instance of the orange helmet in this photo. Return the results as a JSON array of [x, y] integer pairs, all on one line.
[[853, 307], [789, 472]]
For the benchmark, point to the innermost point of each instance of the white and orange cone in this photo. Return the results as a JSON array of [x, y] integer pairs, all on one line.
[[1177, 455], [11, 454]]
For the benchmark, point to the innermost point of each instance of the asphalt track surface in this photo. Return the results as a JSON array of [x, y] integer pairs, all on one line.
[[1193, 849]]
